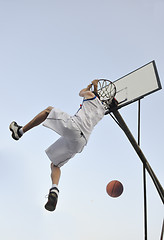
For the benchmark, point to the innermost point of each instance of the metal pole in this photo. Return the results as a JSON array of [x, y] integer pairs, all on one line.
[[162, 232], [140, 153], [145, 201], [144, 172]]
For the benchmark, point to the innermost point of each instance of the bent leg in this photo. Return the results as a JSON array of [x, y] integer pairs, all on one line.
[[38, 119], [54, 191]]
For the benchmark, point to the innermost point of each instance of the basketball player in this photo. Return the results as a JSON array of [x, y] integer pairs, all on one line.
[[74, 131]]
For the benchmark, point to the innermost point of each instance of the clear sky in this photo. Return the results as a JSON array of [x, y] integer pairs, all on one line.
[[49, 51]]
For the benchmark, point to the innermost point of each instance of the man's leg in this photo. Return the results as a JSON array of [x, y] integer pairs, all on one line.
[[38, 119], [54, 191], [17, 131], [55, 174]]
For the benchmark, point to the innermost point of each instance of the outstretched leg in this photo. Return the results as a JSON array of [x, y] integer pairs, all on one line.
[[54, 191], [38, 119], [17, 131]]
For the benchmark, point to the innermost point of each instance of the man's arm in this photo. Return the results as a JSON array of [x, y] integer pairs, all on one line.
[[86, 93]]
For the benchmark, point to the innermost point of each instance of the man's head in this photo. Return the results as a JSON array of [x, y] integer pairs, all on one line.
[[96, 94]]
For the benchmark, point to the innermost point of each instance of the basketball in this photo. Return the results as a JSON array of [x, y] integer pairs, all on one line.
[[114, 188]]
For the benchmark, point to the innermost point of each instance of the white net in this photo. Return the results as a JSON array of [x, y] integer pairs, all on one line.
[[106, 91]]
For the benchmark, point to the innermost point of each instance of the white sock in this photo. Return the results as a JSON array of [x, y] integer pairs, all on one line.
[[55, 185], [21, 131]]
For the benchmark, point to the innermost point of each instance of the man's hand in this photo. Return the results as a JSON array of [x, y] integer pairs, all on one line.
[[95, 82]]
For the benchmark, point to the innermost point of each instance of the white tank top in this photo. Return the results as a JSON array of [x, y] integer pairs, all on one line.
[[90, 113]]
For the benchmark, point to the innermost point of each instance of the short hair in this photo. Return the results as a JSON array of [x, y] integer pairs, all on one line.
[[96, 94]]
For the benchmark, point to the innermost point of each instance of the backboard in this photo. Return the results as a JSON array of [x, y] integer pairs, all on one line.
[[137, 84]]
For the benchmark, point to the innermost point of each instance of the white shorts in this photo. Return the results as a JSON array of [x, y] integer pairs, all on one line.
[[71, 141]]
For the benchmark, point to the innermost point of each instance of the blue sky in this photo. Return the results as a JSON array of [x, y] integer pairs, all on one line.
[[49, 51]]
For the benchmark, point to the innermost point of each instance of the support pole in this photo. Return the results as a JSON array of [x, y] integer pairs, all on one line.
[[144, 172], [140, 153], [162, 232]]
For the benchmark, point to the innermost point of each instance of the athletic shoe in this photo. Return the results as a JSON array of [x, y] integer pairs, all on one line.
[[14, 128], [52, 199]]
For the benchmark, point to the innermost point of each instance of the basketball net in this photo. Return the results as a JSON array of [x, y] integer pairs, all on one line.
[[106, 90]]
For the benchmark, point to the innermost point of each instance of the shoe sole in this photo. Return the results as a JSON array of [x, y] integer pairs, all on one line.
[[50, 207], [11, 129], [52, 201]]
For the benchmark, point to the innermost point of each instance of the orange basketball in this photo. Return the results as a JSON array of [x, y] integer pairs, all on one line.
[[114, 188]]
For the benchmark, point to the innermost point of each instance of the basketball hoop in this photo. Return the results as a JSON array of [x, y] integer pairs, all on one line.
[[106, 90]]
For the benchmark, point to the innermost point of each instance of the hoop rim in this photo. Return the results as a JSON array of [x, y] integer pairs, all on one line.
[[107, 91]]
